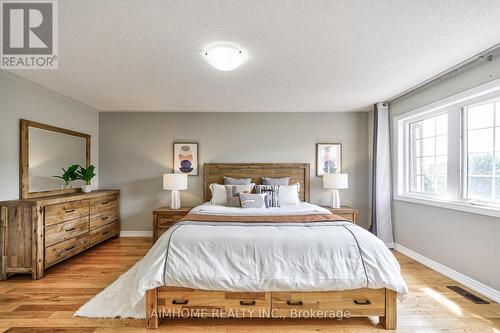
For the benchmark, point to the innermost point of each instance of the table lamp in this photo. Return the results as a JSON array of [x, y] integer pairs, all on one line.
[[175, 182], [335, 182]]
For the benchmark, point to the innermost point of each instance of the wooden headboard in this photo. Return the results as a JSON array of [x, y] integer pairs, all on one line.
[[298, 173]]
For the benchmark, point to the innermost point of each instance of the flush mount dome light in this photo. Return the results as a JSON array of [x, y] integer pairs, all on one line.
[[225, 56]]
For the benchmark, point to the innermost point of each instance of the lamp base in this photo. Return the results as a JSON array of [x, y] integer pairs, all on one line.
[[176, 200], [335, 199]]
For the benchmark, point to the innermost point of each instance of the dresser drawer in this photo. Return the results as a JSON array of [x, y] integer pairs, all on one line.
[[63, 231], [359, 302], [65, 249], [103, 218], [160, 231], [108, 202], [164, 220], [66, 211], [172, 301], [100, 234]]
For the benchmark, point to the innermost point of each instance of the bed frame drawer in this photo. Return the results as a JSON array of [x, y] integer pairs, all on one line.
[[164, 302], [359, 302], [63, 231], [66, 211], [66, 249], [177, 302]]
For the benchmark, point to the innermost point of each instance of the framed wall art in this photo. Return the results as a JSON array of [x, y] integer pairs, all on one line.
[[328, 158], [186, 158]]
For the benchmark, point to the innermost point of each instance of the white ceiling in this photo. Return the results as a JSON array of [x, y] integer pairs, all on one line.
[[303, 55]]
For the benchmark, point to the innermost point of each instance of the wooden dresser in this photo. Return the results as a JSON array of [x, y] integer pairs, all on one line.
[[40, 232], [164, 218]]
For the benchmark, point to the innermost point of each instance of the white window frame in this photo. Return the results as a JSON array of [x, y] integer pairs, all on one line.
[[457, 172], [489, 98], [406, 122]]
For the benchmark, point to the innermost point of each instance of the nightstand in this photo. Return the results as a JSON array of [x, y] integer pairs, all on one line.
[[164, 218], [350, 214]]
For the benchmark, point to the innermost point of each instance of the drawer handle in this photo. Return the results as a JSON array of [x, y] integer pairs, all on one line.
[[295, 303], [69, 211], [362, 302], [247, 303], [105, 218], [104, 203], [180, 301], [70, 229], [70, 248], [104, 233]]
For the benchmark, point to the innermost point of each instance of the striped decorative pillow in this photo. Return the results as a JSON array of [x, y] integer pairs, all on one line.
[[280, 195], [272, 194], [252, 200]]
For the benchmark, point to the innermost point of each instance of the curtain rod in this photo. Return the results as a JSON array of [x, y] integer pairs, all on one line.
[[486, 55]]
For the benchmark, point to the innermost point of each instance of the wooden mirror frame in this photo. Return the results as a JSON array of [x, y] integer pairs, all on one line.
[[24, 158]]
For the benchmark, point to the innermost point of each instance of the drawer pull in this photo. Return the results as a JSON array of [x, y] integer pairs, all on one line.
[[69, 211], [105, 218], [362, 302], [295, 303], [70, 248], [104, 233], [180, 301], [247, 303], [104, 203], [70, 229]]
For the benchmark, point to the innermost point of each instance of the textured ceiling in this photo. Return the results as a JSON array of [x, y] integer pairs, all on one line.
[[303, 55]]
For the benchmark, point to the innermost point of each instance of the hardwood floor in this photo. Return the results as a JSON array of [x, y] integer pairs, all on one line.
[[47, 305]]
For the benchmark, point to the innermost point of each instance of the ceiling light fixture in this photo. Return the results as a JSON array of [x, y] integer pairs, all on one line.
[[225, 56]]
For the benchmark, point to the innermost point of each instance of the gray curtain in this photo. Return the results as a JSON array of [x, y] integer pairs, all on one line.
[[381, 218]]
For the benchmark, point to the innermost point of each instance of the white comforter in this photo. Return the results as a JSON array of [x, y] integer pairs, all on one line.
[[253, 257]]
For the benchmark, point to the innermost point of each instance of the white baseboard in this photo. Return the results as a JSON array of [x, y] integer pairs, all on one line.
[[475, 285], [136, 234]]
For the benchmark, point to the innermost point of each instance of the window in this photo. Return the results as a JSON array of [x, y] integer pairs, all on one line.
[[482, 148], [448, 153], [428, 158]]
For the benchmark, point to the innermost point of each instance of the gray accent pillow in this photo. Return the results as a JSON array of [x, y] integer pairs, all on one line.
[[275, 181], [237, 181], [252, 200]]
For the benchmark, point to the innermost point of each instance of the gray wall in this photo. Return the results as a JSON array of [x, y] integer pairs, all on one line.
[[136, 149], [20, 98], [468, 243]]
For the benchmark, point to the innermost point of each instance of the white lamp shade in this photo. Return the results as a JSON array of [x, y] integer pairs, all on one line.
[[335, 181], [175, 181]]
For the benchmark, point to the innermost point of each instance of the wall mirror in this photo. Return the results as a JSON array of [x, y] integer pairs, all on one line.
[[44, 150]]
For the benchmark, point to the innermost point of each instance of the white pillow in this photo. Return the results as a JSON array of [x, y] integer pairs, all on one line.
[[219, 196], [228, 195], [289, 195]]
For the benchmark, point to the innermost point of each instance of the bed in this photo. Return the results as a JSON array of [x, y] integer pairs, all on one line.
[[289, 262], [269, 297]]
